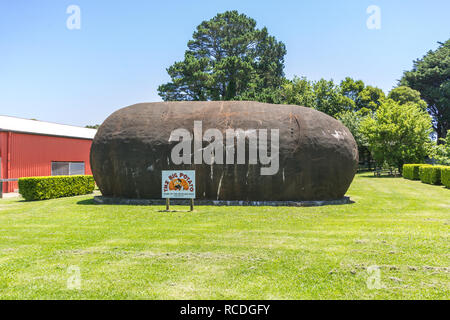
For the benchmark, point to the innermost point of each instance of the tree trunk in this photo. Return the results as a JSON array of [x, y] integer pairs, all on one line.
[[441, 133]]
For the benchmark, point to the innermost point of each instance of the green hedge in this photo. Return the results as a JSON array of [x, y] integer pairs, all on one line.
[[40, 188], [430, 174], [411, 171], [445, 176]]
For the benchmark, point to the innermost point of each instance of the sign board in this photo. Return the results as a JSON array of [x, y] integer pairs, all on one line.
[[178, 184]]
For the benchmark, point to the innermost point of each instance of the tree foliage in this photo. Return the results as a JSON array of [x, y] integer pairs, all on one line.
[[350, 90], [431, 77], [299, 91], [398, 133], [95, 126], [353, 121], [404, 94], [323, 95], [328, 98], [227, 57], [441, 152], [357, 96], [369, 99]]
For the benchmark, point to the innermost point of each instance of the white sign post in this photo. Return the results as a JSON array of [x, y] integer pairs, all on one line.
[[179, 184]]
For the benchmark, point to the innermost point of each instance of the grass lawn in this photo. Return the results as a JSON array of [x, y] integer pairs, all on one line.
[[141, 252]]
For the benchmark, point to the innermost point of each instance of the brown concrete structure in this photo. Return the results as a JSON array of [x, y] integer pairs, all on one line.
[[317, 155]]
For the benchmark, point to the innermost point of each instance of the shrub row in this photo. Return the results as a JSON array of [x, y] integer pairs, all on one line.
[[427, 173], [430, 174], [40, 188], [445, 176], [411, 171]]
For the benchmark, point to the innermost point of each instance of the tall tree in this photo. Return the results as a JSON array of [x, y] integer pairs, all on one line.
[[328, 97], [369, 99], [441, 152], [431, 77], [323, 95], [357, 96], [227, 57], [299, 91], [398, 133], [350, 90], [404, 94], [353, 120]]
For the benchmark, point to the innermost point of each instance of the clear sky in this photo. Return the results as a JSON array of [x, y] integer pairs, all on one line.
[[119, 55]]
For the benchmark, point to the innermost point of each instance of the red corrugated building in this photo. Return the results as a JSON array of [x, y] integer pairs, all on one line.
[[31, 148]]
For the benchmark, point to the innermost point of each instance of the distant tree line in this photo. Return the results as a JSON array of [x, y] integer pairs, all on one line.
[[95, 126]]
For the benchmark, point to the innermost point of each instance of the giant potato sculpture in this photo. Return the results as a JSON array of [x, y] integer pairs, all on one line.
[[317, 156]]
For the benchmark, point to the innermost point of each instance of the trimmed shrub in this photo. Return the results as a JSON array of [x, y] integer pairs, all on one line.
[[40, 188], [430, 174], [424, 175], [411, 171], [445, 176]]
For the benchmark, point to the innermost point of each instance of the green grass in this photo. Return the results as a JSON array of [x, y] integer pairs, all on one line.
[[141, 252]]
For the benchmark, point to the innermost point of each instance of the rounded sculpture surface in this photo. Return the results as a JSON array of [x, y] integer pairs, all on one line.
[[316, 157]]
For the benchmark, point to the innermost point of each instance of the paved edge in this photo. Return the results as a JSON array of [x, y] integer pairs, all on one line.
[[160, 202]]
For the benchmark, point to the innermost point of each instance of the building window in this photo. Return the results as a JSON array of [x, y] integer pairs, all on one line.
[[60, 168]]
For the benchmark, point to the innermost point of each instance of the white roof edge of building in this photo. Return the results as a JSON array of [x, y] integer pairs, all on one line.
[[8, 123]]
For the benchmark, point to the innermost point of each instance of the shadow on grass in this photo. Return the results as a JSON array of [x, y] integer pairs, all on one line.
[[86, 202], [90, 202], [382, 177], [175, 211]]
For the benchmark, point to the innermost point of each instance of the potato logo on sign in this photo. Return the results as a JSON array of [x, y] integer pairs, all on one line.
[[178, 184]]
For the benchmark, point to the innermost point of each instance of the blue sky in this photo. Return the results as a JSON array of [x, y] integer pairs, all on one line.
[[119, 55]]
